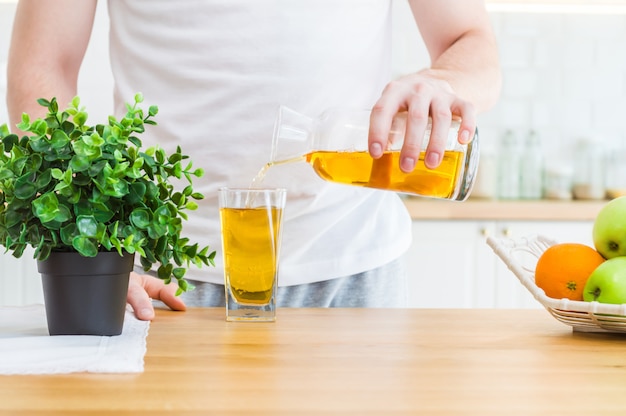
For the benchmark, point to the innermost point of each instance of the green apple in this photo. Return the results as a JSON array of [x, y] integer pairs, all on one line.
[[609, 229], [607, 283]]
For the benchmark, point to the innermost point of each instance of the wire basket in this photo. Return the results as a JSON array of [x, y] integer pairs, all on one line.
[[521, 255]]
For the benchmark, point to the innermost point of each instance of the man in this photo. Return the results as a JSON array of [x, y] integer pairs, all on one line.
[[219, 70]]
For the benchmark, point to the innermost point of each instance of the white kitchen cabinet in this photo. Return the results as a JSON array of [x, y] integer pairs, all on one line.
[[451, 266]]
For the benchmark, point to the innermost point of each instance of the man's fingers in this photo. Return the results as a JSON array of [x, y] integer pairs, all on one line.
[[143, 288], [139, 300]]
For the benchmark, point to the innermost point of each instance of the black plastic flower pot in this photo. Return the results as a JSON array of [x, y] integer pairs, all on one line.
[[85, 295]]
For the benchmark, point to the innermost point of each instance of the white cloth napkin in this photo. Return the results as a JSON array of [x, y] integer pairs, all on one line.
[[26, 347]]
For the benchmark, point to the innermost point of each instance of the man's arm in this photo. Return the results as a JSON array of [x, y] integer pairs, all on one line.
[[47, 47], [462, 47], [464, 78]]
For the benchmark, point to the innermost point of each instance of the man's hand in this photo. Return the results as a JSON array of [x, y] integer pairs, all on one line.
[[421, 96], [463, 80], [143, 288]]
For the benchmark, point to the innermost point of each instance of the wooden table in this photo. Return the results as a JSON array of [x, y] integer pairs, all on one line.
[[349, 361]]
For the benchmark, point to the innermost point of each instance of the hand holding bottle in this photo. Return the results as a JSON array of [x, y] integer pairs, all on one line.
[[421, 97]]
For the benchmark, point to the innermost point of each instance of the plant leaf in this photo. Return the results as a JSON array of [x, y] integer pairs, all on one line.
[[25, 187], [85, 246], [45, 207], [141, 218], [87, 226]]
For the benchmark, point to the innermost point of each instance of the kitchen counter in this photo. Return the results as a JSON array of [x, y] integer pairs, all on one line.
[[348, 361], [482, 209]]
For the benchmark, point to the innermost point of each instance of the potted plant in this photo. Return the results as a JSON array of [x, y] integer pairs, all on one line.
[[88, 199]]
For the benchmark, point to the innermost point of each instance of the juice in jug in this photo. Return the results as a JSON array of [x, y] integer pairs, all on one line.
[[335, 146]]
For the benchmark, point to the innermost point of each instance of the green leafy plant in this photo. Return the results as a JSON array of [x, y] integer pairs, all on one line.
[[69, 186]]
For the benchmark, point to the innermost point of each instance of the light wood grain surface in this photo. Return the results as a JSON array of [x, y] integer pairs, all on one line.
[[348, 361]]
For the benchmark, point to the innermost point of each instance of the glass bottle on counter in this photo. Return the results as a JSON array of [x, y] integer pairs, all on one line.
[[615, 172], [589, 167], [531, 168], [558, 180], [509, 166]]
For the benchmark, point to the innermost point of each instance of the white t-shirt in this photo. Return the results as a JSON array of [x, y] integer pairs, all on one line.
[[219, 70]]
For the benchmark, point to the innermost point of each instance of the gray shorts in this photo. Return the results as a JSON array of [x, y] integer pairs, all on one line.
[[384, 287]]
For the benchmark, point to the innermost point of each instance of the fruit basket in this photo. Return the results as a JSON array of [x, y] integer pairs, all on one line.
[[521, 257]]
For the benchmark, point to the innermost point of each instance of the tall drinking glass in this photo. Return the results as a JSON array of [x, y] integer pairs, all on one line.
[[251, 222]]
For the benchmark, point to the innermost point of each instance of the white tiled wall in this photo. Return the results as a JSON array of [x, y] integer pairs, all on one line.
[[564, 75]]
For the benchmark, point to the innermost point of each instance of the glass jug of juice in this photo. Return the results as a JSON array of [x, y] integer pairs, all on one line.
[[336, 147]]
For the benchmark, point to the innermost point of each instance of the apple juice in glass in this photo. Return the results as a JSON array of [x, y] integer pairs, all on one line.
[[335, 146], [251, 221]]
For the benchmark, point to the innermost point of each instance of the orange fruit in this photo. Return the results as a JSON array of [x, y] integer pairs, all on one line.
[[563, 269]]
